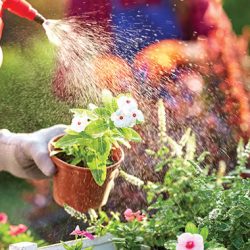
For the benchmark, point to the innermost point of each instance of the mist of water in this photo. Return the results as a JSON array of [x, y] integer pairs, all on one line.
[[85, 66]]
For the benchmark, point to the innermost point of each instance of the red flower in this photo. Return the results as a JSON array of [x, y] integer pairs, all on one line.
[[130, 215], [3, 218], [19, 229]]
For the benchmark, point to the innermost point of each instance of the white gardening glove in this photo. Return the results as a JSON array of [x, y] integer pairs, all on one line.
[[26, 155]]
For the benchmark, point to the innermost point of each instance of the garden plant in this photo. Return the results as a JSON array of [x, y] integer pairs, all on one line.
[[89, 154], [194, 207]]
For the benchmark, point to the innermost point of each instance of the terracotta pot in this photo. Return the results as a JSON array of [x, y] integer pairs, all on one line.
[[75, 186], [245, 174]]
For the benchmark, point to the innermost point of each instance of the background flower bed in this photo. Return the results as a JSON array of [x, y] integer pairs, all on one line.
[[218, 203]]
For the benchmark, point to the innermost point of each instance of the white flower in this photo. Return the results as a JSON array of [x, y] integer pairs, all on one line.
[[79, 123], [122, 119], [127, 103], [137, 115]]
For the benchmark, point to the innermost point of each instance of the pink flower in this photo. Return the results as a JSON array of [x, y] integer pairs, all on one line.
[[140, 217], [19, 229], [130, 215], [88, 235], [79, 232], [187, 241], [3, 218]]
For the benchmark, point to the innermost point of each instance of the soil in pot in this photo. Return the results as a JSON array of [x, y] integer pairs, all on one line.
[[74, 186]]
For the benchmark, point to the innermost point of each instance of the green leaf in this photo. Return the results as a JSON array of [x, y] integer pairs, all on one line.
[[102, 146], [67, 247], [76, 161], [69, 140], [130, 134], [204, 233], [191, 228], [109, 101], [97, 168], [97, 128], [70, 131], [103, 112], [79, 245], [83, 112]]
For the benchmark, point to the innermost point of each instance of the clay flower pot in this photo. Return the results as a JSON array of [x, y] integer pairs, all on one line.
[[74, 186], [245, 174]]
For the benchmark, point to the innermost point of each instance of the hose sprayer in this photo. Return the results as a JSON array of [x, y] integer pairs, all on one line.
[[23, 9]]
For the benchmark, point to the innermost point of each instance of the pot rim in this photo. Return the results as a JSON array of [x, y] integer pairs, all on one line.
[[74, 166]]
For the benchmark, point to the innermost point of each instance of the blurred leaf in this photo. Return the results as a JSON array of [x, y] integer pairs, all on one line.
[[191, 228], [204, 233]]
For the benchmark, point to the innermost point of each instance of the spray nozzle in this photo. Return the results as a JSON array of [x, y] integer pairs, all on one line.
[[39, 19]]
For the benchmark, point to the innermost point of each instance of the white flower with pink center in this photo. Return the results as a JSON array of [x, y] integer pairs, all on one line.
[[187, 241], [127, 103], [122, 119], [137, 115], [79, 123]]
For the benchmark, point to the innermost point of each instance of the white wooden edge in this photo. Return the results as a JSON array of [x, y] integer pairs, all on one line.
[[100, 243]]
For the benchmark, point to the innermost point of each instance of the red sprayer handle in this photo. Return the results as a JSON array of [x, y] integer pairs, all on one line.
[[23, 9], [1, 20]]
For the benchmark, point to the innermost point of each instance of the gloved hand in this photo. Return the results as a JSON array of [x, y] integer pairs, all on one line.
[[26, 155]]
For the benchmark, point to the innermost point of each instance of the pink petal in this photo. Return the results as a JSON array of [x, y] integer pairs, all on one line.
[[199, 243], [180, 247], [184, 238], [137, 213], [3, 218], [130, 218], [128, 212], [76, 232], [19, 229], [140, 217], [129, 215], [88, 235]]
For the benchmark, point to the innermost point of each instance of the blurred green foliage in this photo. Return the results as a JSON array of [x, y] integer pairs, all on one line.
[[26, 99], [11, 202], [239, 13]]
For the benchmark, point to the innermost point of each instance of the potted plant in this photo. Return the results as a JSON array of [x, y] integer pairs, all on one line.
[[88, 156]]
